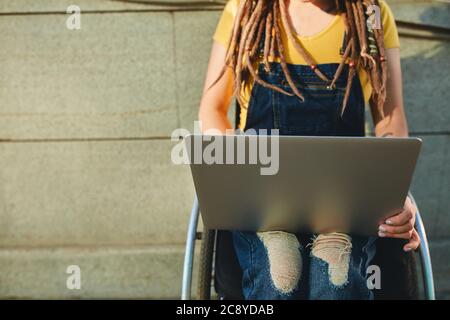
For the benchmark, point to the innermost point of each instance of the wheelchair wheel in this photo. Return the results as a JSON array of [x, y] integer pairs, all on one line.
[[205, 265]]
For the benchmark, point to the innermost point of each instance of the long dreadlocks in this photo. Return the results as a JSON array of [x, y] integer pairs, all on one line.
[[261, 20]]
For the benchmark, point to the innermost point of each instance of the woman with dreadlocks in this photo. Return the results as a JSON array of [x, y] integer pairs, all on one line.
[[308, 67]]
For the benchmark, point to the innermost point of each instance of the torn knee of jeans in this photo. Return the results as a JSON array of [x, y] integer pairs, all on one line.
[[334, 249], [283, 251]]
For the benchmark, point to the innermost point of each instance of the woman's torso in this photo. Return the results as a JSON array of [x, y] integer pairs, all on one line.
[[325, 47]]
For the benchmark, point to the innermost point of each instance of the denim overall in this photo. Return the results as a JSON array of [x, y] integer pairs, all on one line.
[[317, 115]]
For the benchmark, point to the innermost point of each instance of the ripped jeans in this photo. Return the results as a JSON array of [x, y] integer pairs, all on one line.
[[276, 266]]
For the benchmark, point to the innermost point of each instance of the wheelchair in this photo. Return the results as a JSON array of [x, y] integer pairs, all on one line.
[[218, 263]]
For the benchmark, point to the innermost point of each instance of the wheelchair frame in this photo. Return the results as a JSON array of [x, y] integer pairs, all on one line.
[[207, 251]]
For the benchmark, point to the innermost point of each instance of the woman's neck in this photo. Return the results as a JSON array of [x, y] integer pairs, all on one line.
[[310, 17], [328, 6]]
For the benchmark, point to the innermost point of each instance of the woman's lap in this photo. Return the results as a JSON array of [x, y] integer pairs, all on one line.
[[276, 265]]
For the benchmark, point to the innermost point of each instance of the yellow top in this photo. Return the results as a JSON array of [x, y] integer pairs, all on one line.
[[324, 47]]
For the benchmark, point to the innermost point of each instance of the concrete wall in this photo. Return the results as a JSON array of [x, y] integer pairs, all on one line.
[[85, 123]]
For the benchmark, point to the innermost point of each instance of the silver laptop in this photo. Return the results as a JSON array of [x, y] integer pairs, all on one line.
[[300, 184]]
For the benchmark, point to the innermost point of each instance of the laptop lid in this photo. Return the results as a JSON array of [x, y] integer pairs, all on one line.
[[295, 184]]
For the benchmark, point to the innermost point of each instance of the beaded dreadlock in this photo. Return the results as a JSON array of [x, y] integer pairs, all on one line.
[[256, 19]]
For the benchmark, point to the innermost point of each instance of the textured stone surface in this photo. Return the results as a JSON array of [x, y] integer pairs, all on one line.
[[440, 255], [425, 84], [118, 272], [192, 54], [431, 185], [112, 78], [32, 6], [87, 193], [434, 13]]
